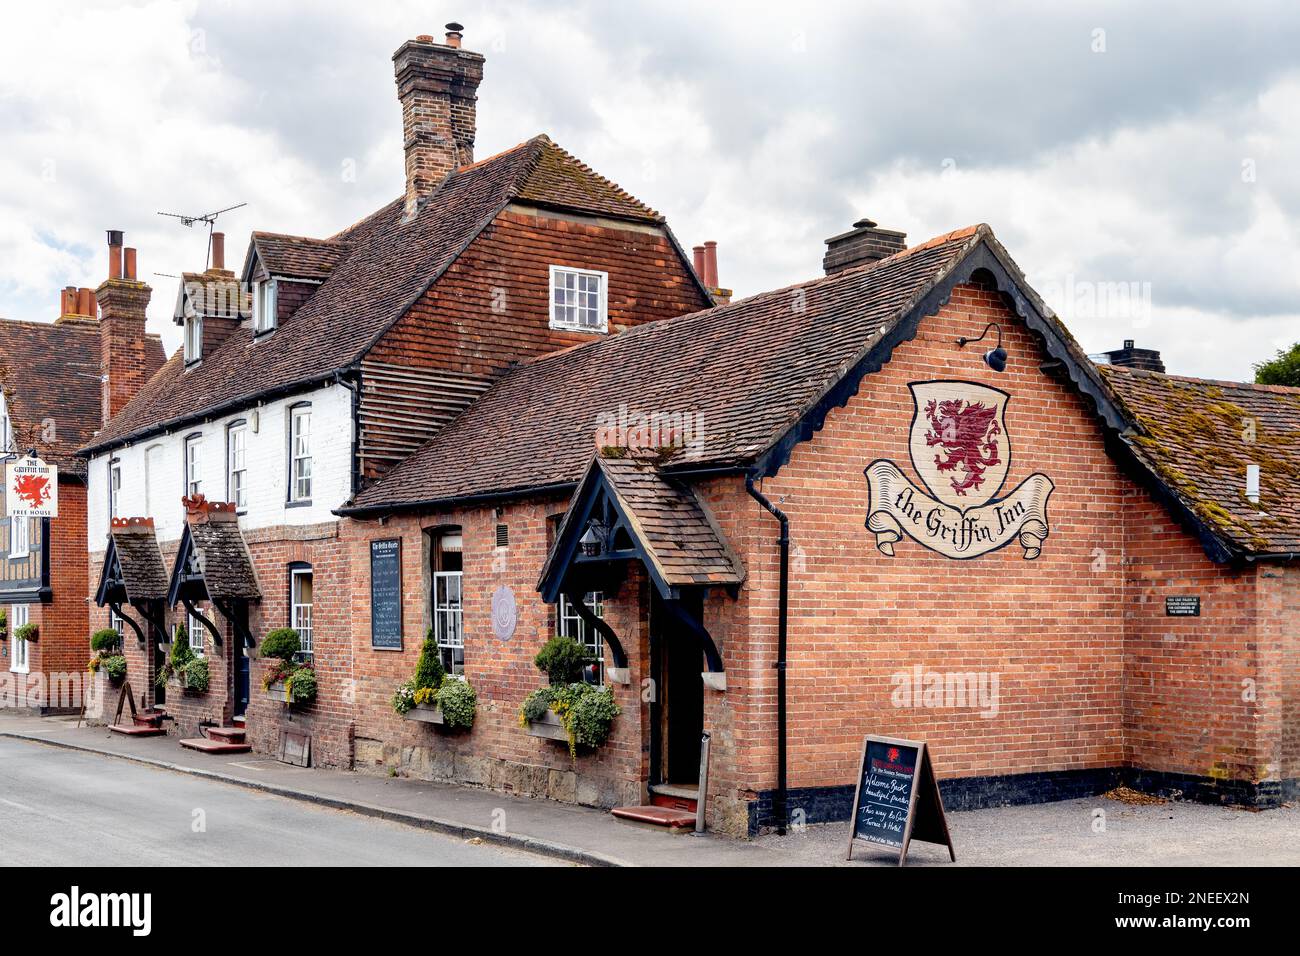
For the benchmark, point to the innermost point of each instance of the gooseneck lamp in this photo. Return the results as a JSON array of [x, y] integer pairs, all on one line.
[[996, 357]]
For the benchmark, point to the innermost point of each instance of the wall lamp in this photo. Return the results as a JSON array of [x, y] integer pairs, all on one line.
[[996, 357]]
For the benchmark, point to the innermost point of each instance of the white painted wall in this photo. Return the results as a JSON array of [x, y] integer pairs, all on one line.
[[153, 469]]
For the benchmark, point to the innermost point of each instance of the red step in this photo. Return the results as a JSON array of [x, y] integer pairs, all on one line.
[[227, 735], [204, 745], [149, 719], [657, 816], [673, 803], [137, 730]]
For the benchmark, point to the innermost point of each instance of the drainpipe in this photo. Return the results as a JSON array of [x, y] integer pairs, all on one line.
[[783, 541]]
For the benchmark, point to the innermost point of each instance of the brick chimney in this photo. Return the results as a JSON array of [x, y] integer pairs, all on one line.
[[1131, 357], [122, 300], [437, 84], [864, 243]]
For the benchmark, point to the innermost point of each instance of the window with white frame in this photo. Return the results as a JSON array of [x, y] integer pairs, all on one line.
[[19, 614], [20, 541], [579, 300], [116, 623], [153, 492], [114, 487], [237, 464], [300, 605], [448, 616], [194, 465], [197, 633], [264, 306], [572, 625], [193, 338], [300, 453]]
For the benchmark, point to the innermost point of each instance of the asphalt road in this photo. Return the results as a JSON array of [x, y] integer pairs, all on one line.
[[58, 807]]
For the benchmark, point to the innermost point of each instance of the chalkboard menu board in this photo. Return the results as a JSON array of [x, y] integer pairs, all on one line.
[[897, 798], [386, 594]]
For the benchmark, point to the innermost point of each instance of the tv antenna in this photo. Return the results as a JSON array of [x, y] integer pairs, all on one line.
[[208, 217]]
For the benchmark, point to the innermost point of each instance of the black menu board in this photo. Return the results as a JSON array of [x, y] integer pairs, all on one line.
[[386, 594], [897, 798]]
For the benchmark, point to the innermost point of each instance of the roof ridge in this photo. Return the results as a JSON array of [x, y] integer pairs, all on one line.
[[1219, 382], [505, 152], [289, 235]]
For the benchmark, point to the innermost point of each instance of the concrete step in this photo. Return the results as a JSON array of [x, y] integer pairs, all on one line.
[[204, 745], [656, 816], [228, 735], [137, 730]]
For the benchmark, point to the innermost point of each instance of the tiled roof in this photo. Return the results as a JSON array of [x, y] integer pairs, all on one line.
[[388, 264], [297, 256], [50, 374], [143, 573], [679, 537], [227, 566], [738, 374], [1199, 435]]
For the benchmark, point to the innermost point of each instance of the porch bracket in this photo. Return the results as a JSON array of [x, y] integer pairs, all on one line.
[[604, 630], [701, 633], [202, 619], [117, 609], [228, 612]]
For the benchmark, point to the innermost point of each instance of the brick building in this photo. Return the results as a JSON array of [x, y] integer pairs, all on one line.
[[1057, 575], [324, 362], [58, 381]]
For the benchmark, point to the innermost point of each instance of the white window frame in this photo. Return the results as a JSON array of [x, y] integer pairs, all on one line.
[[571, 625], [116, 622], [264, 306], [300, 612], [114, 487], [563, 298], [20, 537], [193, 338], [194, 465], [449, 610], [20, 662], [237, 477], [153, 456], [194, 633], [300, 457]]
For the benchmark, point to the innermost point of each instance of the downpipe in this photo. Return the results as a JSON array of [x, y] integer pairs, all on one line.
[[783, 542]]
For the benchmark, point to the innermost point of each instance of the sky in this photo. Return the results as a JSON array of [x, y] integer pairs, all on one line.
[[1141, 163]]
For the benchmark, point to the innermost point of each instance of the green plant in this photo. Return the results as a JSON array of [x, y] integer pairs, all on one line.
[[282, 642], [1282, 369], [587, 712], [562, 658], [459, 703], [404, 698], [536, 705], [105, 639], [114, 666], [429, 671], [27, 632], [302, 685], [195, 675], [180, 658]]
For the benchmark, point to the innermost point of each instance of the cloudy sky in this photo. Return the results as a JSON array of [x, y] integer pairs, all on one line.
[[1142, 166]]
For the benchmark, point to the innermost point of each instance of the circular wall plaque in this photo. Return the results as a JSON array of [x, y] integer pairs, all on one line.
[[504, 613]]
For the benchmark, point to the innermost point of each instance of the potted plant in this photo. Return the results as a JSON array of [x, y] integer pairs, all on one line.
[[433, 696], [286, 680], [568, 709], [189, 669], [27, 632], [104, 643]]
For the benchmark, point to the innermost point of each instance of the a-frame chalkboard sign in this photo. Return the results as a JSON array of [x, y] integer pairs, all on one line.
[[897, 798]]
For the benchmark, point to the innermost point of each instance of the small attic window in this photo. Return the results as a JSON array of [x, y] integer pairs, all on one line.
[[193, 339], [579, 300], [264, 306]]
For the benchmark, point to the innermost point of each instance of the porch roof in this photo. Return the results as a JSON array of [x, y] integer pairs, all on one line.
[[214, 552], [132, 563]]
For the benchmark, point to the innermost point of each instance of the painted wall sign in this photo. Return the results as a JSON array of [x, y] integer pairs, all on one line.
[[897, 798], [31, 489], [961, 451], [505, 613], [1183, 605], [386, 594]]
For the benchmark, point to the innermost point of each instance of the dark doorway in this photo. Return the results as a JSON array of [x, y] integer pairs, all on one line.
[[681, 694], [242, 661]]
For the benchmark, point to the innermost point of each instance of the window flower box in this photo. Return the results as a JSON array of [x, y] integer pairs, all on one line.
[[278, 691], [548, 726], [426, 713]]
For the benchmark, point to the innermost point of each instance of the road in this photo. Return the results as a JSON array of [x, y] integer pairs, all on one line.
[[58, 807]]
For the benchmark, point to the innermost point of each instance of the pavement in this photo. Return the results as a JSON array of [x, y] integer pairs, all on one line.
[[1090, 832]]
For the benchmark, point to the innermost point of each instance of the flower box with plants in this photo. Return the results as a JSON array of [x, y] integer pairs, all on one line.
[[433, 696], [287, 680], [189, 669], [27, 632], [106, 643], [568, 709]]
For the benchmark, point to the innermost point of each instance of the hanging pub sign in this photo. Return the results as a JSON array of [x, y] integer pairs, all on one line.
[[961, 452], [31, 489], [386, 594], [897, 798]]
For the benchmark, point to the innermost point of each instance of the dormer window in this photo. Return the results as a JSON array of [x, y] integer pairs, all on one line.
[[264, 306], [578, 299], [193, 339]]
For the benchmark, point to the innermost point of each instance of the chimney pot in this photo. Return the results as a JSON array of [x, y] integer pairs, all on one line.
[[865, 242], [454, 34], [1132, 357], [711, 264], [129, 263], [698, 255], [1252, 483], [115, 253], [84, 302], [67, 298], [424, 38], [218, 250]]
